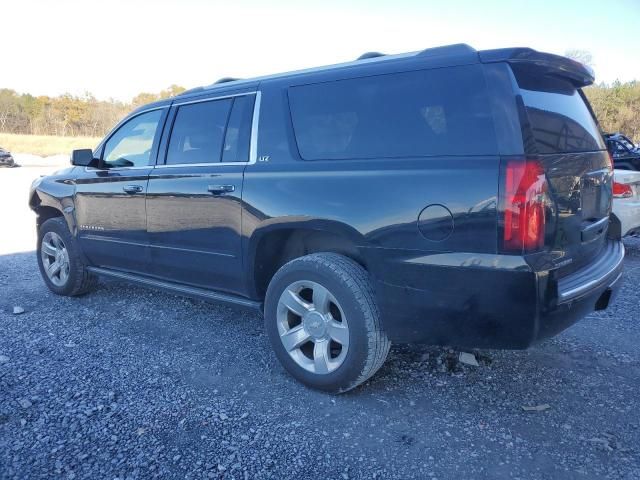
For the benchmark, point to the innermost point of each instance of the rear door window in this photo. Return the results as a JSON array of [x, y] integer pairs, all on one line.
[[238, 137], [212, 131], [559, 117], [411, 114], [198, 132]]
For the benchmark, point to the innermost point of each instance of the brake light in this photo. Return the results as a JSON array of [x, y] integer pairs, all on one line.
[[622, 190], [523, 204]]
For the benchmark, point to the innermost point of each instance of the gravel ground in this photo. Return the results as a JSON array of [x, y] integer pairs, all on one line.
[[131, 383]]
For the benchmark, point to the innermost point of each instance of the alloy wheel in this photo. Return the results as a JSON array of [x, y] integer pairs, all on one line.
[[312, 327], [55, 258]]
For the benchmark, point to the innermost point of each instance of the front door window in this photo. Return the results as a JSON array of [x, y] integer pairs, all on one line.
[[131, 144]]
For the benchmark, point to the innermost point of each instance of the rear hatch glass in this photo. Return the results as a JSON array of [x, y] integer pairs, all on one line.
[[561, 121]]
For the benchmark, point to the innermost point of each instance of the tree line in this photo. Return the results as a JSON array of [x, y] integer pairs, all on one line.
[[617, 107], [67, 115]]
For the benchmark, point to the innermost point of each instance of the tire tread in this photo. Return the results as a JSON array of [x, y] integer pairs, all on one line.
[[82, 281], [356, 279]]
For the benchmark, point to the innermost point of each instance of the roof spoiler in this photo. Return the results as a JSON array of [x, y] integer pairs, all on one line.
[[581, 75]]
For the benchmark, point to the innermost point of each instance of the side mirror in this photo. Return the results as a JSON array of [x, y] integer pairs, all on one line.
[[83, 158]]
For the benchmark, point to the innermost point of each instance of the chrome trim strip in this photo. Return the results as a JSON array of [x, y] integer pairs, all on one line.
[[253, 142], [178, 288], [580, 289], [211, 99], [253, 145], [116, 169], [182, 165], [133, 115]]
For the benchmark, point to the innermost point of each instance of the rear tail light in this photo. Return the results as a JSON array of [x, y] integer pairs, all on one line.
[[622, 190], [524, 188]]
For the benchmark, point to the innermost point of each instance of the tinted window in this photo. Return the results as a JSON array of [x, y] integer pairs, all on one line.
[[198, 132], [131, 144], [236, 143], [424, 113], [560, 119]]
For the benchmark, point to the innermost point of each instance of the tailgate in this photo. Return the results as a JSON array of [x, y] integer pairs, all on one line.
[[561, 132]]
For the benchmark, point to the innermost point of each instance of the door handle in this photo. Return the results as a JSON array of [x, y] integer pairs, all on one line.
[[221, 189], [132, 188]]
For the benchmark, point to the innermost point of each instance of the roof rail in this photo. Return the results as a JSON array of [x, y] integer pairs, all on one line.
[[455, 49], [366, 55], [226, 79]]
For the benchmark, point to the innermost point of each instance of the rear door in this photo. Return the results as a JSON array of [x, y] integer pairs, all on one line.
[[560, 130], [194, 199]]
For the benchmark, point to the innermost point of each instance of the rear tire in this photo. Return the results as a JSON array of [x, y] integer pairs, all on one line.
[[60, 260], [323, 322]]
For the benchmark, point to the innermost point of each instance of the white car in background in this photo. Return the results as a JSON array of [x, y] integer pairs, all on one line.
[[626, 200]]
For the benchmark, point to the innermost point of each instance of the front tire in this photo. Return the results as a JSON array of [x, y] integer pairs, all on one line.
[[60, 260], [323, 322]]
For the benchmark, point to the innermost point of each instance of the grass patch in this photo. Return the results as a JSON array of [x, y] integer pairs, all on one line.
[[44, 145]]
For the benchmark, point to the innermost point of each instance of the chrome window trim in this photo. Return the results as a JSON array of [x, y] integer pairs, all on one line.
[[211, 99], [116, 169], [147, 110], [212, 164], [253, 141]]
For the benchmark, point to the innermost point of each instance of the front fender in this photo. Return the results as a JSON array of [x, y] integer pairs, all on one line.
[[57, 192]]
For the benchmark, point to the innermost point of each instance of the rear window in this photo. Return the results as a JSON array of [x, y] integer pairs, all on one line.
[[211, 131], [423, 113], [559, 117], [198, 132]]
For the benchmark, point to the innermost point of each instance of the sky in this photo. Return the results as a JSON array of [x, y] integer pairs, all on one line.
[[119, 48]]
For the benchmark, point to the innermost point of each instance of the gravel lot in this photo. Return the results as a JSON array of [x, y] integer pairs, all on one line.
[[131, 383]]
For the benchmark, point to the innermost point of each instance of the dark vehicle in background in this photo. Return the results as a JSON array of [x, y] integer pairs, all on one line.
[[6, 159], [626, 155], [448, 196]]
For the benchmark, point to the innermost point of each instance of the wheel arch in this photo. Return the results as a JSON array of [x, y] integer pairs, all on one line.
[[47, 206], [275, 244]]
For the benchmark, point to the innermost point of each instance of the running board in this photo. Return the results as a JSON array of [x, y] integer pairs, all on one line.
[[179, 289]]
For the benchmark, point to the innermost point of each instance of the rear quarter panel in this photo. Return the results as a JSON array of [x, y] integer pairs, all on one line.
[[374, 202]]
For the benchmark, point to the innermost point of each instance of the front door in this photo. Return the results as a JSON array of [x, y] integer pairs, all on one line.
[[194, 198], [110, 201]]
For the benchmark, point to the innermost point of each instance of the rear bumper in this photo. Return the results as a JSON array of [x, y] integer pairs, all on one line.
[[488, 301]]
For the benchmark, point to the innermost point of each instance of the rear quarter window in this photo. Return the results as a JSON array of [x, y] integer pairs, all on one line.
[[412, 114], [558, 114]]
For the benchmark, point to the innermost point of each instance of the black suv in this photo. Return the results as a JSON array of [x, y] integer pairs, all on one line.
[[626, 155], [447, 196]]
